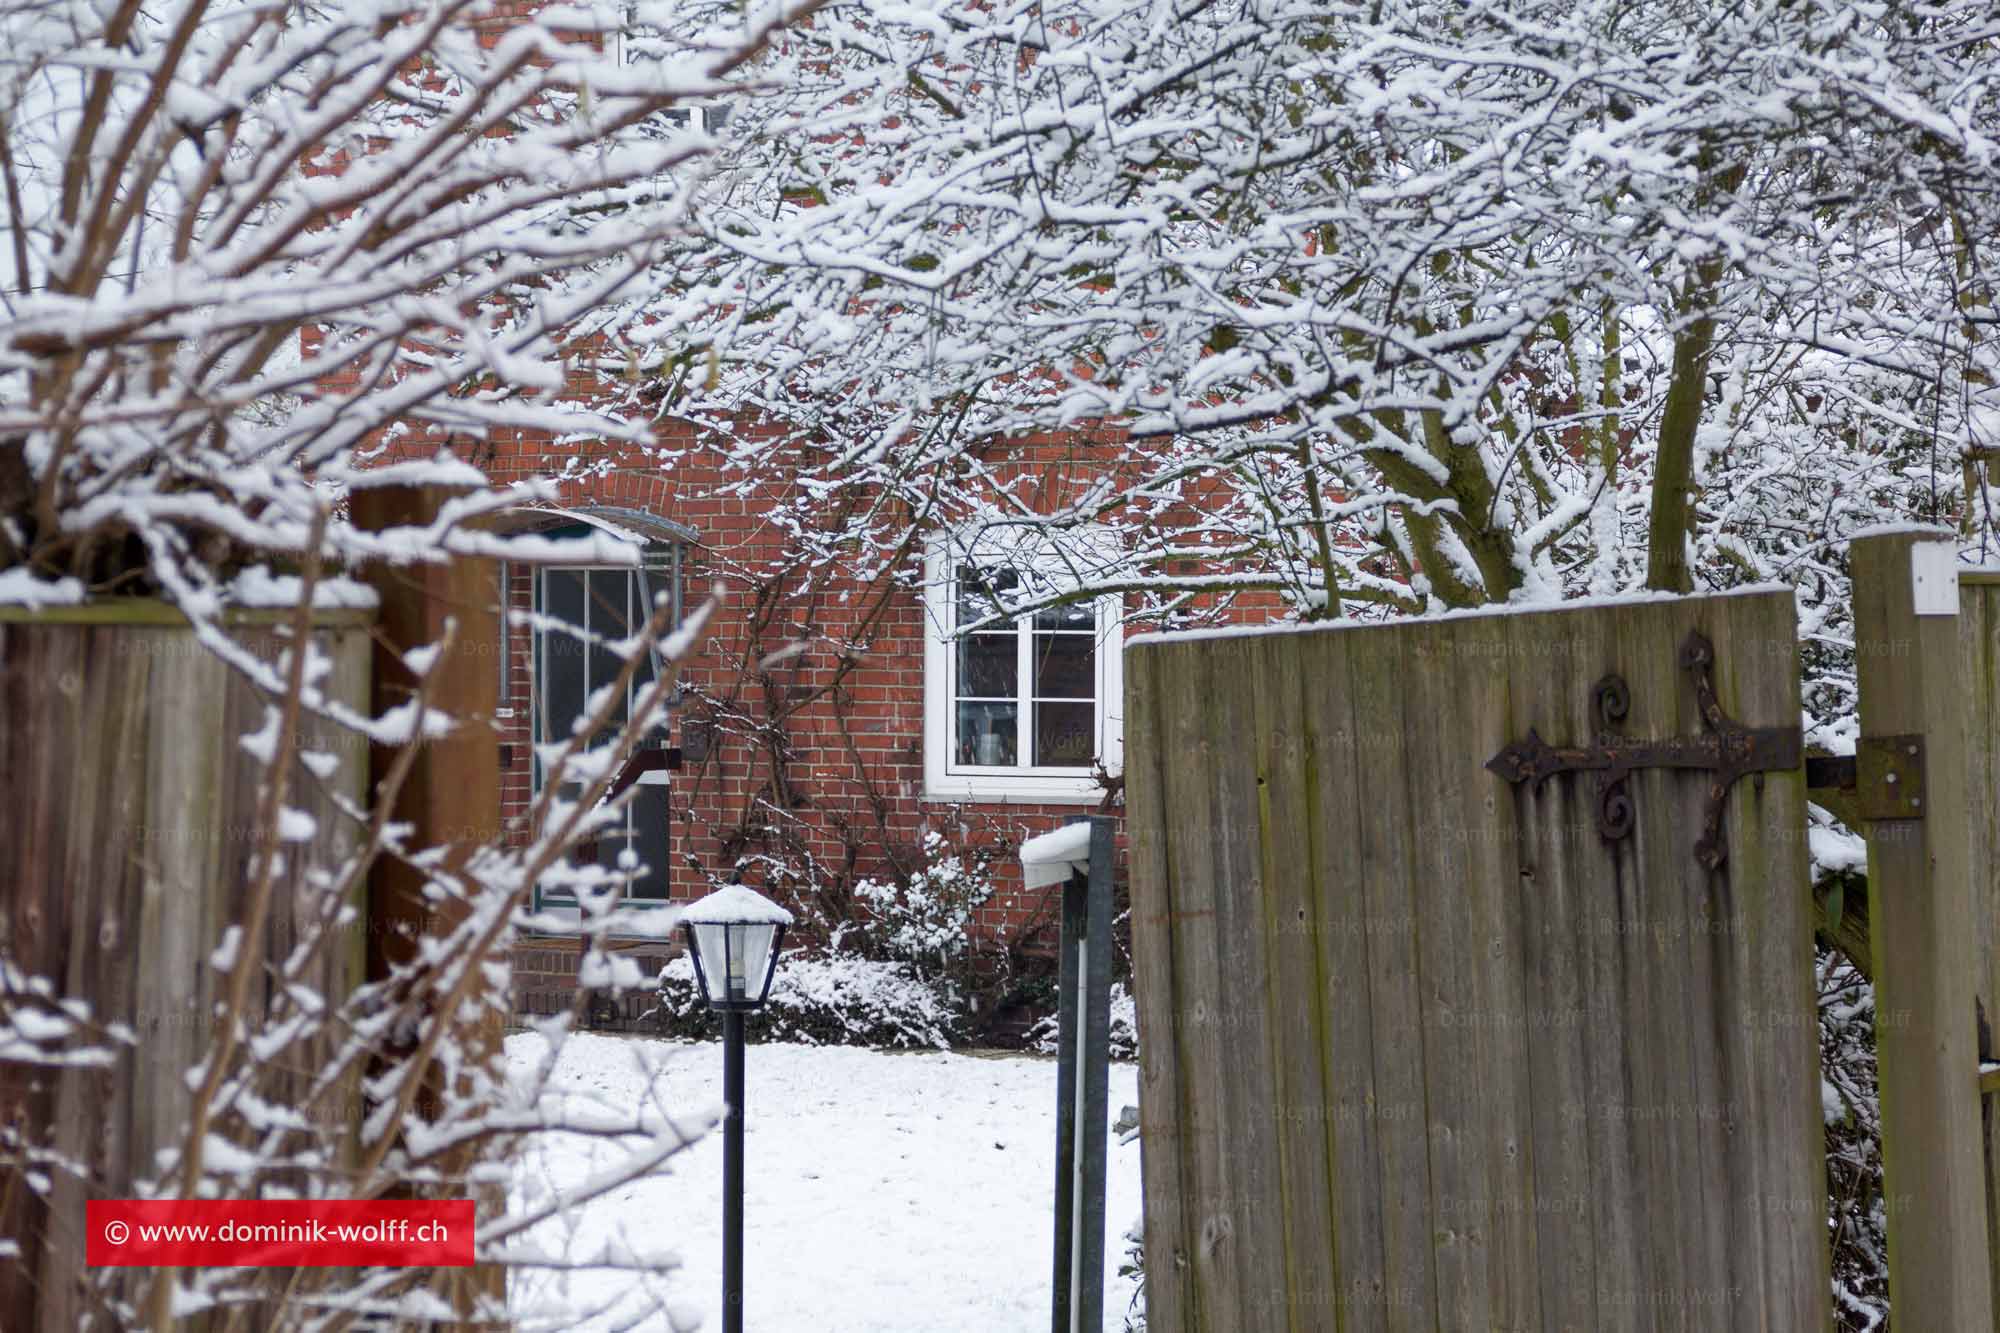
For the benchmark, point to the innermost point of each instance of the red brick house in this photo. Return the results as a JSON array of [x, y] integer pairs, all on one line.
[[824, 723]]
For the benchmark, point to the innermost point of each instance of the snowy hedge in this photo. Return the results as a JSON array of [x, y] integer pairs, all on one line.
[[832, 1000]]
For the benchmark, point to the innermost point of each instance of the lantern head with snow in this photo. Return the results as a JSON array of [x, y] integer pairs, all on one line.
[[733, 937]]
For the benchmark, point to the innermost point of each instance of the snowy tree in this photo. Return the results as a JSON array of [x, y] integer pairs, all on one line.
[[255, 258], [1397, 304], [1383, 307]]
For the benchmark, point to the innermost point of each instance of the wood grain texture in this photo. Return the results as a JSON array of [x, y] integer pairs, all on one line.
[[1561, 1083], [1979, 648], [1169, 1270], [1925, 953], [450, 800], [1299, 999], [1335, 768], [1249, 998], [131, 811]]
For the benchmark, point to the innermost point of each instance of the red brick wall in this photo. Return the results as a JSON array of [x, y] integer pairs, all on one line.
[[846, 801], [851, 804]]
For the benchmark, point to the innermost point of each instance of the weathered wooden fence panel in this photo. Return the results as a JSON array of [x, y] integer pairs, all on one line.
[[1979, 643], [127, 825], [1422, 1051]]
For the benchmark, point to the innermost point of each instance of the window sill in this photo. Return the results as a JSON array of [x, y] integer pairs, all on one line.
[[950, 793]]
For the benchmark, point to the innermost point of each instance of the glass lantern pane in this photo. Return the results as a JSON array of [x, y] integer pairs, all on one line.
[[986, 734], [712, 948], [751, 961], [1065, 734]]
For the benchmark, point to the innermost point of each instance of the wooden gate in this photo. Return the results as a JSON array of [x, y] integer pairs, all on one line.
[[1979, 639], [1425, 1049]]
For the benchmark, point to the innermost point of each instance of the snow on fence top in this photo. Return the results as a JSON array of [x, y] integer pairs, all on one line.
[[1635, 597]]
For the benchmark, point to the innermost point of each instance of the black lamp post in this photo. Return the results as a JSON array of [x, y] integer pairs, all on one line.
[[733, 937]]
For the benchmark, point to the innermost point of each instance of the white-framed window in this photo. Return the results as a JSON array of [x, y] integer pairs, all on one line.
[[1017, 707], [635, 43], [603, 604]]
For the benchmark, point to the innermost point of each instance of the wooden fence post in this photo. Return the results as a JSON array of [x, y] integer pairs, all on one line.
[[1913, 789], [1979, 642], [451, 797]]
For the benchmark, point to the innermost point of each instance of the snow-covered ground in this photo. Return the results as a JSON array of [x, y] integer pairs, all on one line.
[[900, 1192]]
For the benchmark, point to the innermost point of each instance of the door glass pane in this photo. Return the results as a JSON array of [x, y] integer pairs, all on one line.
[[1065, 666], [561, 689], [986, 734], [988, 667], [1065, 734], [610, 623], [645, 833]]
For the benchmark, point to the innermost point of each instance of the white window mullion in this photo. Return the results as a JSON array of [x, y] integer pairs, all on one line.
[[1024, 692]]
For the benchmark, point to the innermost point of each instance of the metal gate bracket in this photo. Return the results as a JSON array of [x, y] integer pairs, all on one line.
[[1889, 777], [1725, 749]]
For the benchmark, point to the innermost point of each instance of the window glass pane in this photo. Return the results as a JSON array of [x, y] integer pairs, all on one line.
[[981, 592], [985, 735], [561, 689], [988, 667], [1065, 666], [1065, 735], [1077, 616]]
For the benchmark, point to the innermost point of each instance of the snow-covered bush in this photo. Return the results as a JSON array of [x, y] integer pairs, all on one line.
[[1045, 1034], [832, 1000], [926, 920]]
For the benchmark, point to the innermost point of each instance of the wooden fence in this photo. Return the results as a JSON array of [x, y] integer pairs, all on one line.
[[130, 810], [1423, 1049], [1979, 640], [1921, 767]]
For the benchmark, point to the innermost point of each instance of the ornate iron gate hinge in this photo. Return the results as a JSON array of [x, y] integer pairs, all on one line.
[[1726, 749]]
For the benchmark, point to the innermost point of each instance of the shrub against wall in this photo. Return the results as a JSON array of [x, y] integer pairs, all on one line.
[[926, 919], [908, 968], [830, 1000]]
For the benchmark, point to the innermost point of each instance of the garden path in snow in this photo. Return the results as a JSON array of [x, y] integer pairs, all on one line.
[[885, 1192]]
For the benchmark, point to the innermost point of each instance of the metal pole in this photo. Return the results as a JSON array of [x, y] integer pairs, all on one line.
[[732, 1172], [1082, 1074], [1062, 1316]]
